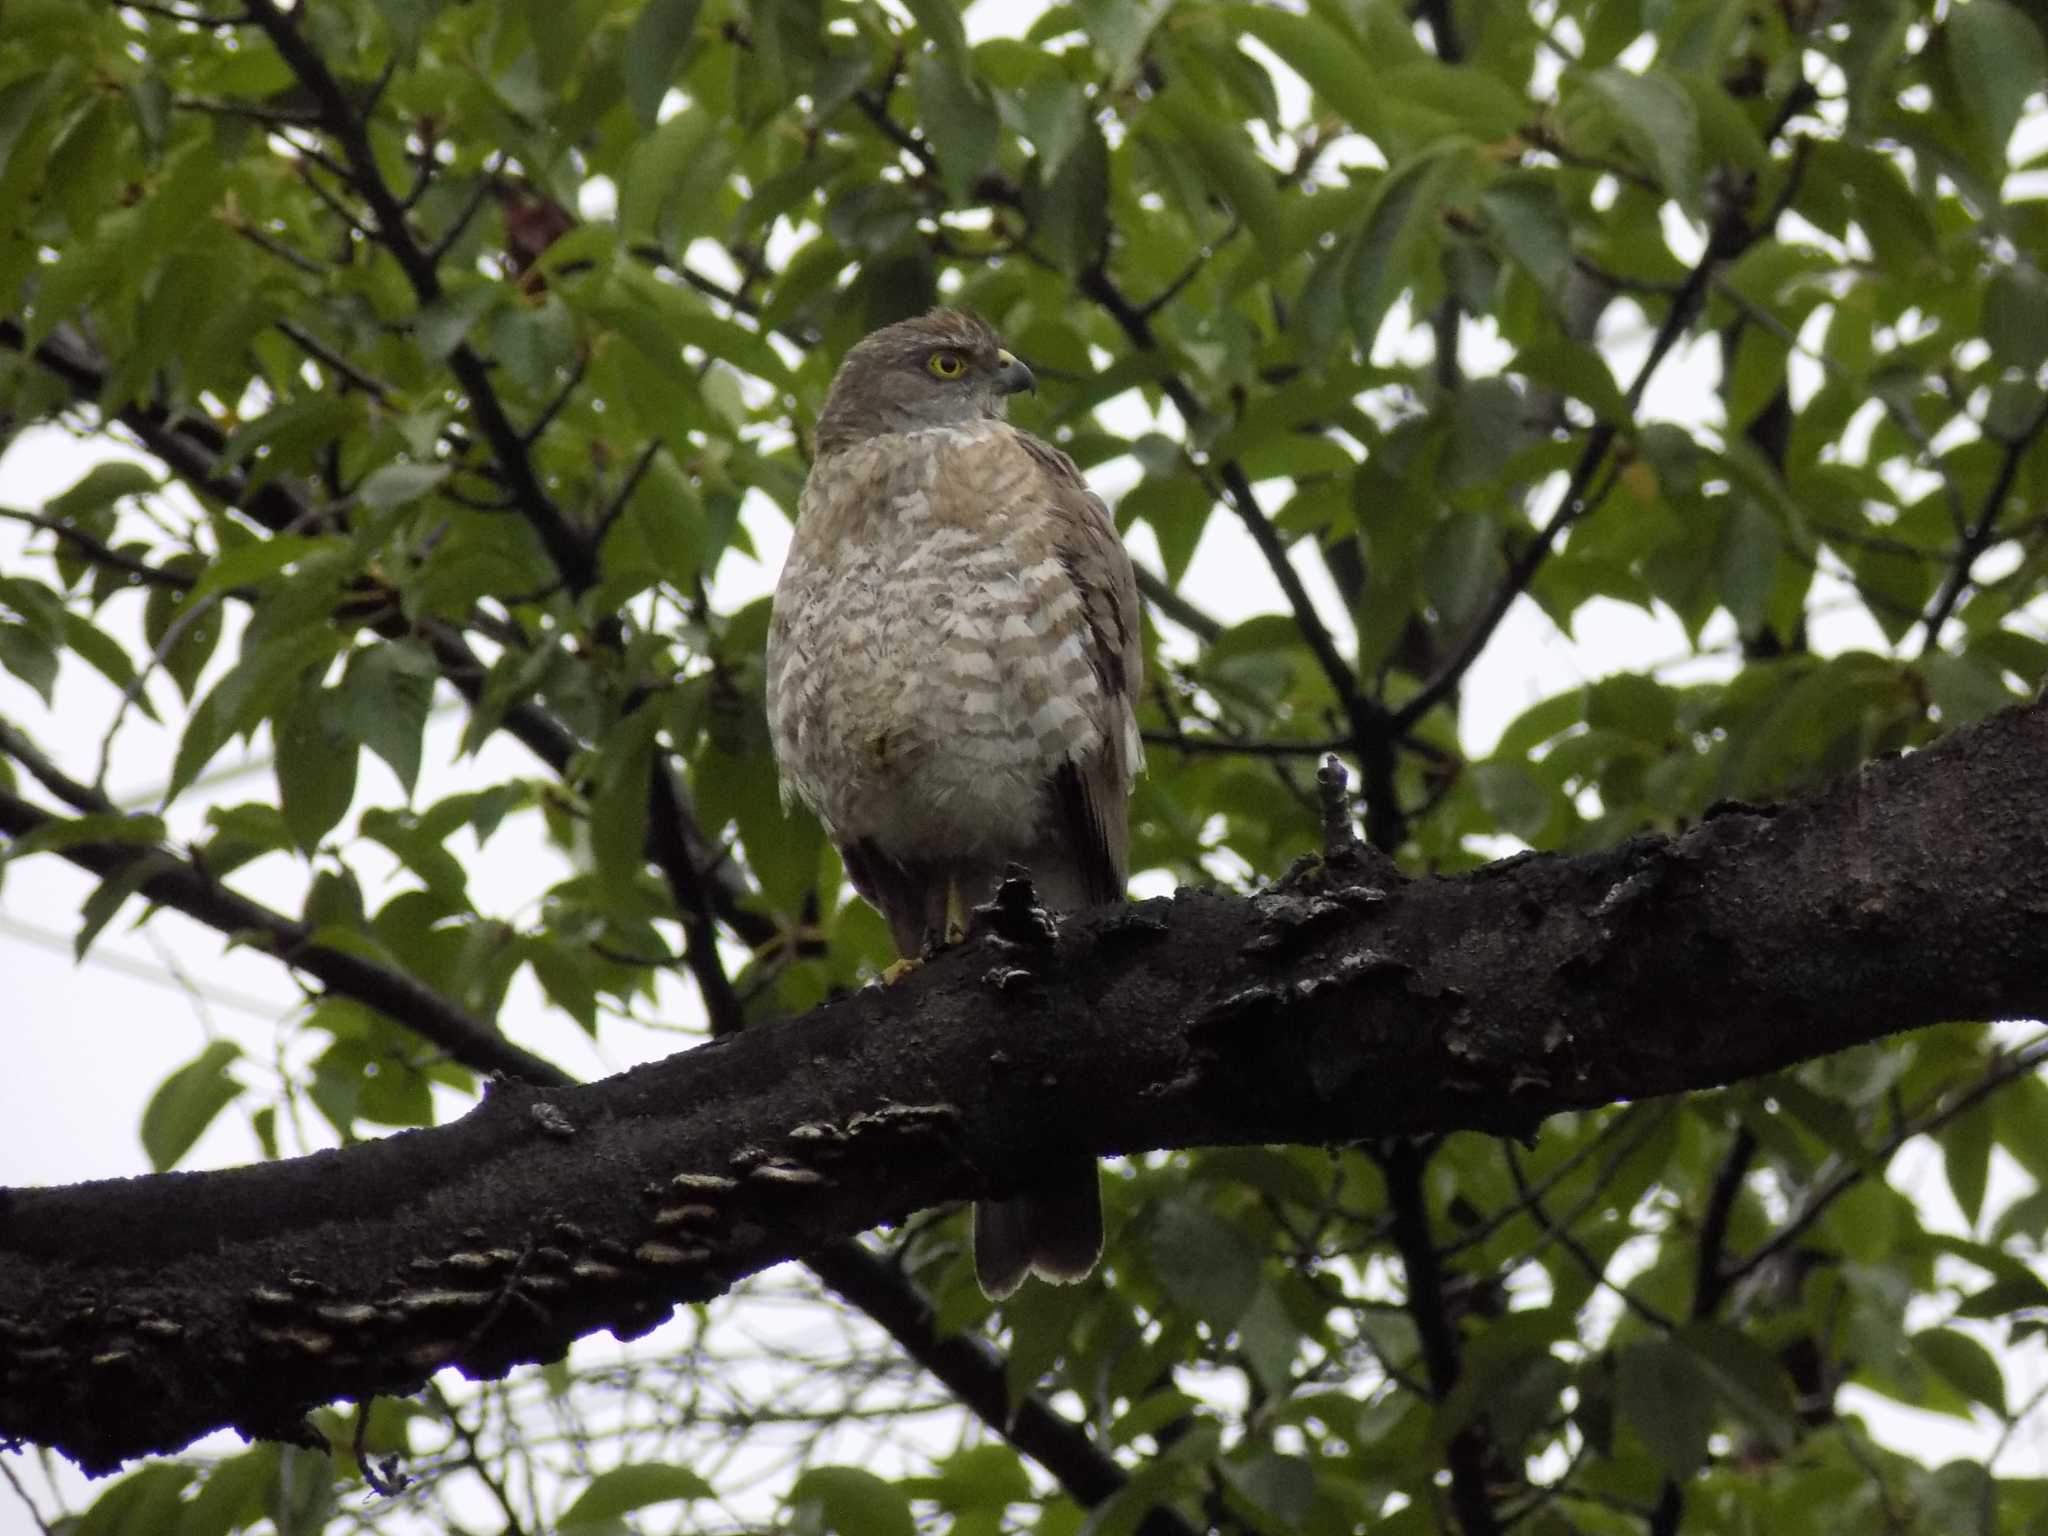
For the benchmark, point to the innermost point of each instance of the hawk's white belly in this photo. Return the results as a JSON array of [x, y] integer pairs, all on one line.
[[924, 680]]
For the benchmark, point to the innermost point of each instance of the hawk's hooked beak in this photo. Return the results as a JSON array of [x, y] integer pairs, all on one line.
[[1012, 377]]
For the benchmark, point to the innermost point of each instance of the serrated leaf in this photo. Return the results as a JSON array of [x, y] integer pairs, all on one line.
[[187, 1102], [383, 702]]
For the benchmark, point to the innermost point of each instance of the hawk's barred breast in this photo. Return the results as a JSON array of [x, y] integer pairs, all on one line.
[[928, 664]]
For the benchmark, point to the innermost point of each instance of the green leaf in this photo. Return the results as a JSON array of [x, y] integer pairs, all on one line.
[[1228, 159], [990, 1476], [1966, 1159], [1432, 97], [1330, 62], [1999, 60], [1404, 216], [1657, 122], [383, 702], [105, 656], [939, 20], [1964, 688], [1530, 223], [660, 169], [1748, 1376], [99, 488], [1204, 1263], [29, 656], [233, 1496], [633, 1486], [143, 1503], [1666, 1398], [108, 897], [248, 564], [618, 802], [1519, 802], [245, 695], [316, 767], [2016, 316], [1459, 564], [1282, 1486], [185, 1105], [854, 1502], [959, 118], [1638, 707], [441, 327], [661, 35], [1964, 1364], [390, 486], [1746, 564]]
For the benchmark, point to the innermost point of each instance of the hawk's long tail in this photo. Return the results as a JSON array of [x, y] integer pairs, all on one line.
[[1055, 1232]]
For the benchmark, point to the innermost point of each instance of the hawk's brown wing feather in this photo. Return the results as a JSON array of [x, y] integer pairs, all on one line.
[[1091, 794]]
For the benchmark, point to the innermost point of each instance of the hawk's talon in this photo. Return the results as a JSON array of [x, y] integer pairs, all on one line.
[[896, 970]]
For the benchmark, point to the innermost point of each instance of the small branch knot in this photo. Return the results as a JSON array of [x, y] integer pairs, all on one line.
[[1333, 790], [1013, 914]]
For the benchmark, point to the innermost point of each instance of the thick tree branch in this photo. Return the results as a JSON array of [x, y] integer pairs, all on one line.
[[141, 1313], [191, 447]]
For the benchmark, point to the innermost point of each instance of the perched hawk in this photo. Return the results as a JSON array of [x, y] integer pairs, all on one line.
[[952, 666]]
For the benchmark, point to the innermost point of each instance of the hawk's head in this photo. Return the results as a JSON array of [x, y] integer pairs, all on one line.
[[945, 368]]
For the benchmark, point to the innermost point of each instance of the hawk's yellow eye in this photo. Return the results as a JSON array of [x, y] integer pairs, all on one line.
[[947, 365]]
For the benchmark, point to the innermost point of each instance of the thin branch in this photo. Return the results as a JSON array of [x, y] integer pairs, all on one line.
[[1729, 237], [1563, 1236], [99, 553], [1168, 600], [486, 183], [334, 362], [1982, 530], [616, 507], [1402, 1164], [1838, 1176], [179, 884], [1710, 1284]]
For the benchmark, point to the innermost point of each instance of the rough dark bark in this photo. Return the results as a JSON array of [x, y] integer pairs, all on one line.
[[138, 1314]]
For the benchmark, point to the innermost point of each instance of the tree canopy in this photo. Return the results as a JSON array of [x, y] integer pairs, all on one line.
[[1519, 1133]]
